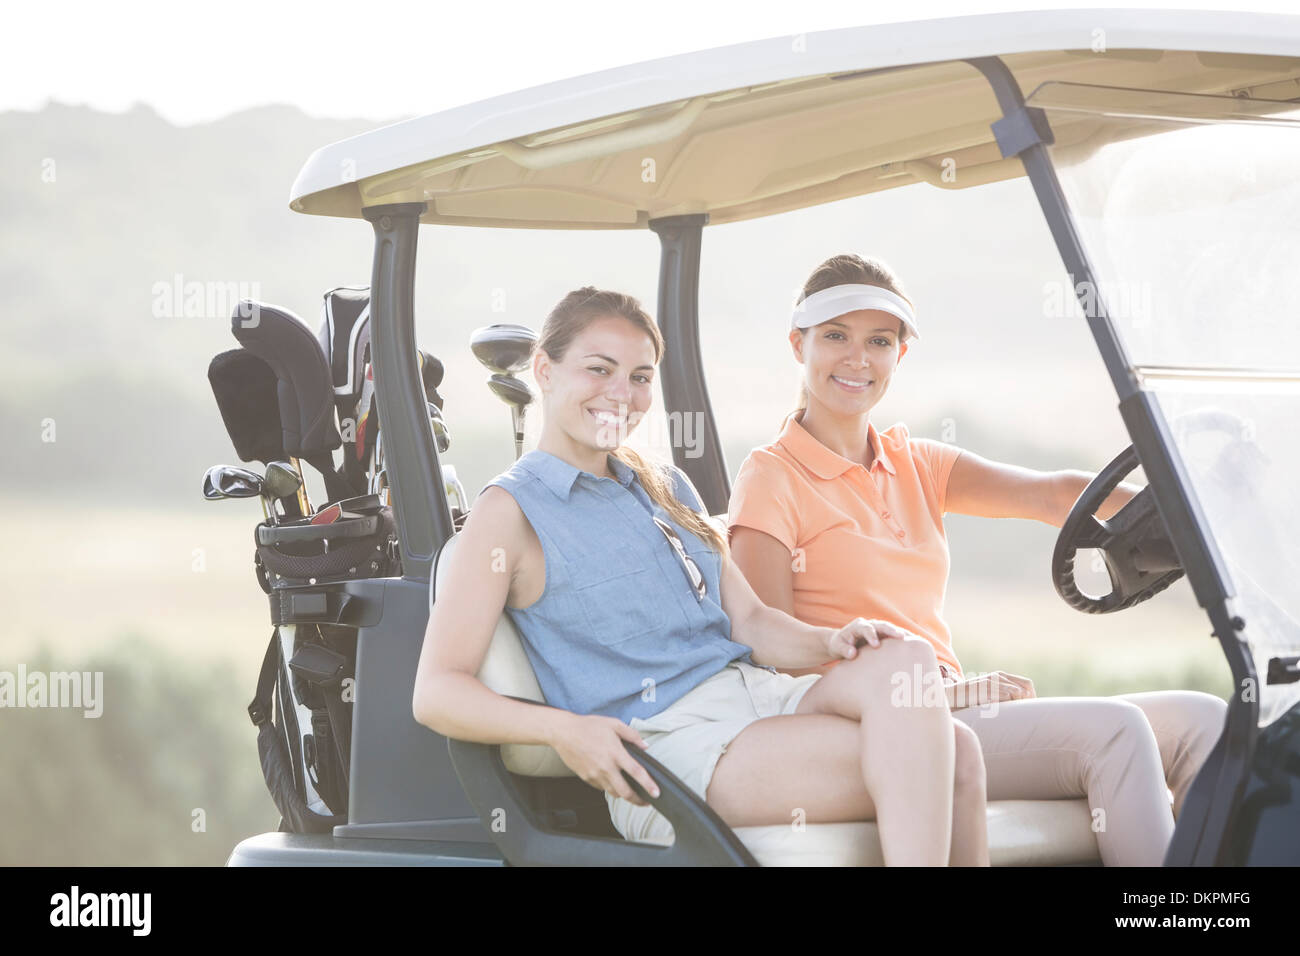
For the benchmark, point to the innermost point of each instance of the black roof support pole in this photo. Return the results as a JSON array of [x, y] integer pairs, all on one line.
[[686, 399], [414, 476], [1205, 834]]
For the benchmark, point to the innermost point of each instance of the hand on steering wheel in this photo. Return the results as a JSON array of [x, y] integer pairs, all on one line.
[[1134, 544]]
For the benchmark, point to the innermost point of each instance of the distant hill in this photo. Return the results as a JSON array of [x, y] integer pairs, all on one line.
[[102, 210], [99, 209]]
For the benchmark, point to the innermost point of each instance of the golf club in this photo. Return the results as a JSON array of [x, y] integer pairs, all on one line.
[[303, 501], [281, 481], [231, 481], [517, 395], [504, 349]]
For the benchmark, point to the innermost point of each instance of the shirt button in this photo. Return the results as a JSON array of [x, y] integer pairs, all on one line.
[[899, 533], [885, 515]]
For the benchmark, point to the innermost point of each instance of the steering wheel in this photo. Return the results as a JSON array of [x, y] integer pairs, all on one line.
[[1134, 544]]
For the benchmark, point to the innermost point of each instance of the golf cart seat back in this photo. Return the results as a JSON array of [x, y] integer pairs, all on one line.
[[1021, 832], [306, 388]]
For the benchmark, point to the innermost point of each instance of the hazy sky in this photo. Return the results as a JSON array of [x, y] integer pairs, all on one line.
[[385, 59]]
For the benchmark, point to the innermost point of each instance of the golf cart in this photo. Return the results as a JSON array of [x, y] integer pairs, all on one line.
[[1162, 149]]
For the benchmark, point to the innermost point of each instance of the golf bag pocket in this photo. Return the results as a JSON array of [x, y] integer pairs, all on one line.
[[301, 732], [356, 545]]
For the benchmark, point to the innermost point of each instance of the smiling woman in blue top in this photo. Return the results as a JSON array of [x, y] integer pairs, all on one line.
[[641, 629]]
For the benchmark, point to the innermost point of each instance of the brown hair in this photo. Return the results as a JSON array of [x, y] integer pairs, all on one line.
[[843, 270], [574, 313]]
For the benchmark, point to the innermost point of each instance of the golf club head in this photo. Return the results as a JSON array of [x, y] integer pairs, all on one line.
[[511, 390], [503, 347], [230, 481], [281, 480]]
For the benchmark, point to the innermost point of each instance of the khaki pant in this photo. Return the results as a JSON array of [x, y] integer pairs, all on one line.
[[1119, 752]]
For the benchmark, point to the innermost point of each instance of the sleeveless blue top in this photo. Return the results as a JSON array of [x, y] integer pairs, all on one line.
[[618, 630]]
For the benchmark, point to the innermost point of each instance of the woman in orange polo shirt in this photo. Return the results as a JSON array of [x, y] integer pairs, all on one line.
[[836, 520]]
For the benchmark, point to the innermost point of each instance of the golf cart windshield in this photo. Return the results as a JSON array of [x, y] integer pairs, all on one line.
[[1188, 207]]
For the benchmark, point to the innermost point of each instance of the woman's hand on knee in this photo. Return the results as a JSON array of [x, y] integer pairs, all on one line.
[[846, 641], [592, 747]]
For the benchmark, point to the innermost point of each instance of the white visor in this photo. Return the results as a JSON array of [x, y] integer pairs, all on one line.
[[838, 299]]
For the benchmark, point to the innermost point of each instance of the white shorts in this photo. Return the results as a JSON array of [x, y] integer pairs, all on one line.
[[691, 734]]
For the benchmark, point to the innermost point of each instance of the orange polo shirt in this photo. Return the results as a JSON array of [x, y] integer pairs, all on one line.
[[863, 543]]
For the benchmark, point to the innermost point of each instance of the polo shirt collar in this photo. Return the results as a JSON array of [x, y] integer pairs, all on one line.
[[819, 459], [558, 475]]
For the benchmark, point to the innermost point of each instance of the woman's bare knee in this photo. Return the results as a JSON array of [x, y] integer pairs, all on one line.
[[894, 657], [911, 663], [870, 679]]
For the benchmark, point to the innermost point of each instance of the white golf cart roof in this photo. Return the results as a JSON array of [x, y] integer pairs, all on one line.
[[759, 128]]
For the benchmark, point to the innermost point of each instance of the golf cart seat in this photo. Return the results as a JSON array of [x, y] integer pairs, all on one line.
[[1021, 832]]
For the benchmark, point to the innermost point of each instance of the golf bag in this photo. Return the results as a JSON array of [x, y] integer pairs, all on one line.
[[282, 395], [303, 706]]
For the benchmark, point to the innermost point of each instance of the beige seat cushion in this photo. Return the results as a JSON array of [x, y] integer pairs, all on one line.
[[1021, 832]]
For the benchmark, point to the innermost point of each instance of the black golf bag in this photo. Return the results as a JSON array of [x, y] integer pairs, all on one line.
[[303, 707], [282, 396]]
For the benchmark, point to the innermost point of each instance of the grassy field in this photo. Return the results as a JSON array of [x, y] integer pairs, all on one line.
[[181, 578], [165, 605], [1162, 644]]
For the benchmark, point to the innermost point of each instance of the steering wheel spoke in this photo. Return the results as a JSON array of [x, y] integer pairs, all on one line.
[[1133, 543], [1094, 533]]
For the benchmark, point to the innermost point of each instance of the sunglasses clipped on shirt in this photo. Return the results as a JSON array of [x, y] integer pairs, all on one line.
[[692, 569]]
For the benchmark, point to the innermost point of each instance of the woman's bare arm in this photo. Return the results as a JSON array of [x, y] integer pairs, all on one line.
[[448, 697], [992, 489], [769, 626], [767, 566], [773, 636]]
